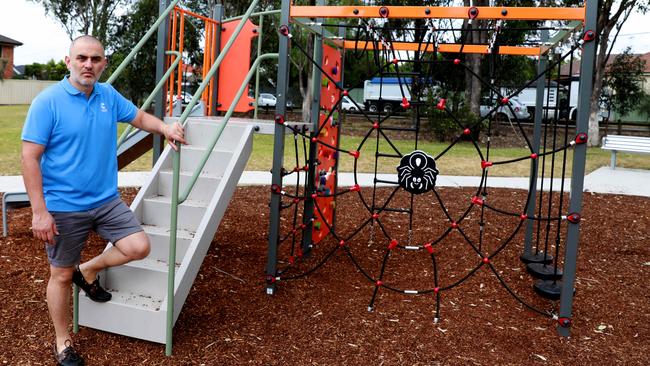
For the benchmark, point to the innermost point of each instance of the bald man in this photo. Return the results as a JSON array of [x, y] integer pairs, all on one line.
[[69, 160]]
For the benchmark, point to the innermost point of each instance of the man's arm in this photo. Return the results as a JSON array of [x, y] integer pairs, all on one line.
[[43, 225], [173, 133]]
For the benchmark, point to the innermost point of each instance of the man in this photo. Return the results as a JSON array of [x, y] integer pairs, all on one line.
[[70, 172]]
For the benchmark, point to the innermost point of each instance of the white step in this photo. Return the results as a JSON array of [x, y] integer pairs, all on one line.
[[159, 238], [201, 133], [157, 211], [204, 186]]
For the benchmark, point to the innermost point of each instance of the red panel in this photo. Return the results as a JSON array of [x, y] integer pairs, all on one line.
[[235, 66], [330, 136]]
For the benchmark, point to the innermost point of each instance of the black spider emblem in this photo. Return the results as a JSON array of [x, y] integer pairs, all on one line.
[[417, 172]]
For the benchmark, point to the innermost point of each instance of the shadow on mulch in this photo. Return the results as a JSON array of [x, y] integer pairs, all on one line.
[[323, 319]]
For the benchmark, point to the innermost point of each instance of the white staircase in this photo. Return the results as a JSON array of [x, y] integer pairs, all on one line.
[[139, 304]]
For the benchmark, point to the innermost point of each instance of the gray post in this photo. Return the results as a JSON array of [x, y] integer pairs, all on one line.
[[160, 100], [528, 256], [308, 214], [578, 170], [278, 150], [217, 14]]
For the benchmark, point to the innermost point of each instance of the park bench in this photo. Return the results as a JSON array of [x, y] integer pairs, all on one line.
[[632, 144], [12, 200]]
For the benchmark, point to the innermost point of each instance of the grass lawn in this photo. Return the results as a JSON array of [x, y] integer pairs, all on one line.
[[462, 159]]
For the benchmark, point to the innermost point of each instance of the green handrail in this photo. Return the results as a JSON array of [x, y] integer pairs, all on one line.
[[152, 95], [176, 163]]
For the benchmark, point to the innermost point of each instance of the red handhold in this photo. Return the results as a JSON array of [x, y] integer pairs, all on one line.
[[393, 244], [486, 260], [589, 36], [429, 248], [279, 119], [355, 188], [581, 138], [354, 153], [456, 61], [564, 322], [477, 201], [486, 164], [533, 156], [441, 104], [467, 131], [383, 12], [574, 217], [472, 12]]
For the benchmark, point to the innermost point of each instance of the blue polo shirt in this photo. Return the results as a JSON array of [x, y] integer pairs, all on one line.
[[79, 164]]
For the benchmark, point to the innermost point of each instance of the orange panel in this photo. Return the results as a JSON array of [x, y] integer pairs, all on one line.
[[419, 12], [447, 48], [327, 157], [235, 66]]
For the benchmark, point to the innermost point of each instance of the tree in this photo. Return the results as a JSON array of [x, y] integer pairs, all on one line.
[[612, 15], [624, 77], [79, 17], [52, 70]]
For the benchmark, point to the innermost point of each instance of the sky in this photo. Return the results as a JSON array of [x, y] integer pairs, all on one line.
[[44, 38]]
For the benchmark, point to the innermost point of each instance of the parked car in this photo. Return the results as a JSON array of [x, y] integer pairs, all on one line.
[[348, 106], [514, 110], [268, 101]]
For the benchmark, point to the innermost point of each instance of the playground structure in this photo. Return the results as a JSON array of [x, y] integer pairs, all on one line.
[[184, 199]]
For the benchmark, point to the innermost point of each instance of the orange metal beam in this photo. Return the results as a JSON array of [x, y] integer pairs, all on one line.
[[420, 12], [446, 48]]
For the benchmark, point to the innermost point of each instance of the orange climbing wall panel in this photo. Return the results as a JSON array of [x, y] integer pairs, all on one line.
[[325, 178], [235, 66]]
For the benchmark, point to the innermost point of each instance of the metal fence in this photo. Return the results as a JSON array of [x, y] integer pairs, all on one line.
[[21, 91]]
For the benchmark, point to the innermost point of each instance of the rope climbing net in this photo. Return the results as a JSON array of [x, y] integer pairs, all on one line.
[[406, 216]]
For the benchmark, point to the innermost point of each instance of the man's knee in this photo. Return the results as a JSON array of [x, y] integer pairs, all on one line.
[[135, 246], [61, 275]]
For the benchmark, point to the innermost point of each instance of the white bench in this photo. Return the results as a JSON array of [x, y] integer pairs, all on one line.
[[12, 200], [632, 144]]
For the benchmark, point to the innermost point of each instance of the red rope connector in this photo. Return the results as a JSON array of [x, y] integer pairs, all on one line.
[[375, 125], [581, 138], [405, 103], [533, 156], [279, 119], [314, 195], [574, 217], [291, 260], [284, 30], [472, 13], [564, 322], [467, 131], [354, 153], [395, 61], [393, 244], [314, 139], [342, 243], [379, 283], [485, 164], [454, 225], [504, 100], [477, 201], [523, 217], [436, 289], [589, 36], [296, 200], [429, 248], [486, 260], [441, 104], [275, 188], [355, 188], [383, 12], [375, 216], [456, 61], [270, 279]]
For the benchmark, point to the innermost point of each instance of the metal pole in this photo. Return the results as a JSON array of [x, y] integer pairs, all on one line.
[[528, 256], [308, 214], [160, 98], [578, 170], [257, 71], [171, 264], [217, 15], [278, 150]]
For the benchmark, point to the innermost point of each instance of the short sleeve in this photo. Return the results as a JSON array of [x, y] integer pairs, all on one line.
[[39, 122], [126, 111]]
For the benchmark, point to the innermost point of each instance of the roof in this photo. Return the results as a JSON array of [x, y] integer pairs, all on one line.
[[7, 40], [576, 64]]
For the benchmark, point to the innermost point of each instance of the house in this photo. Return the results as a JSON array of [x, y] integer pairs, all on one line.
[[7, 55]]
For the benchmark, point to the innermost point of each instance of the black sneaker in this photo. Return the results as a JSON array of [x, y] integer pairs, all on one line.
[[68, 357], [93, 290]]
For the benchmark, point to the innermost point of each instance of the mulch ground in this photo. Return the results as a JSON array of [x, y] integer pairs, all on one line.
[[322, 319]]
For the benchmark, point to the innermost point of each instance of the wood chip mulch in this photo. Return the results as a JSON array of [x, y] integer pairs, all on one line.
[[322, 319]]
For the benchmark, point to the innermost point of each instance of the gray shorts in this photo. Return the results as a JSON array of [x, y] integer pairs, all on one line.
[[112, 221]]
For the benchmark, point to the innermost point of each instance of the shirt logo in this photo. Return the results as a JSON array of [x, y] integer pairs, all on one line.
[[102, 107]]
